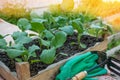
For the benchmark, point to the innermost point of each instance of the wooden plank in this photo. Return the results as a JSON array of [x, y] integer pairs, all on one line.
[[49, 73], [6, 73], [113, 50], [102, 46], [23, 70]]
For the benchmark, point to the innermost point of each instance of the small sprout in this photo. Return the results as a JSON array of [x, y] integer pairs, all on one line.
[[64, 54]]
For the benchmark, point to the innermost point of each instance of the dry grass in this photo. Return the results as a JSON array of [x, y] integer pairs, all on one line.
[[14, 8], [99, 7]]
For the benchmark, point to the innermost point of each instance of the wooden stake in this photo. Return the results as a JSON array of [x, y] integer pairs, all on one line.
[[23, 70]]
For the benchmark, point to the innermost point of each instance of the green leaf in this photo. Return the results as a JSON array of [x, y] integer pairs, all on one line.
[[33, 14], [34, 61], [67, 29], [100, 33], [77, 20], [13, 53], [61, 21], [3, 43], [18, 34], [39, 20], [18, 46], [50, 19], [48, 34], [48, 56], [95, 26], [48, 16], [21, 37], [37, 27], [23, 24], [23, 40], [31, 50], [59, 39], [18, 59], [92, 31], [25, 57], [63, 54], [110, 29], [78, 27], [1, 37], [83, 45], [45, 43]]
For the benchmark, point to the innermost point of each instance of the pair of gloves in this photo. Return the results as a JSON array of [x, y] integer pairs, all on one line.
[[80, 63]]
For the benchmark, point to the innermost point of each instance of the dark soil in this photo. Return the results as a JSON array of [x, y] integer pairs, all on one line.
[[69, 48], [7, 61]]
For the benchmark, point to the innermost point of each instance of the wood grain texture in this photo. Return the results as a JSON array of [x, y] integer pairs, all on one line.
[[23, 70], [102, 46]]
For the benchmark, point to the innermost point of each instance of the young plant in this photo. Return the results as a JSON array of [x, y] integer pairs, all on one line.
[[98, 28], [67, 29], [18, 49], [48, 55], [77, 25], [15, 51], [113, 43], [51, 40], [61, 21], [23, 24], [3, 43]]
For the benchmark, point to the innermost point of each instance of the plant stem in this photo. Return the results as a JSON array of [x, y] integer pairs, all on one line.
[[78, 37]]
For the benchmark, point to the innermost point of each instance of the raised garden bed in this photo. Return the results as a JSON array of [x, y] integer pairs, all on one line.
[[59, 44], [42, 74], [68, 49]]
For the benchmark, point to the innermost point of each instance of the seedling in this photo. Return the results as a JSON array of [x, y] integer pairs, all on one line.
[[51, 40], [113, 43], [77, 25], [100, 29]]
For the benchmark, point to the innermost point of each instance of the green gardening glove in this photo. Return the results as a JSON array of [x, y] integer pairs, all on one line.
[[77, 64]]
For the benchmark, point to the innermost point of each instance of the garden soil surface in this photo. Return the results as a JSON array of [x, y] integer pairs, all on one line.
[[69, 48]]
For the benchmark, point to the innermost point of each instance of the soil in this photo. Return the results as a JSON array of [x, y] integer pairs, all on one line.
[[69, 48], [8, 62]]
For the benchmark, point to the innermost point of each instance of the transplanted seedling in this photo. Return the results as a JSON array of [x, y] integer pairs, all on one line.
[[77, 25], [98, 28]]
